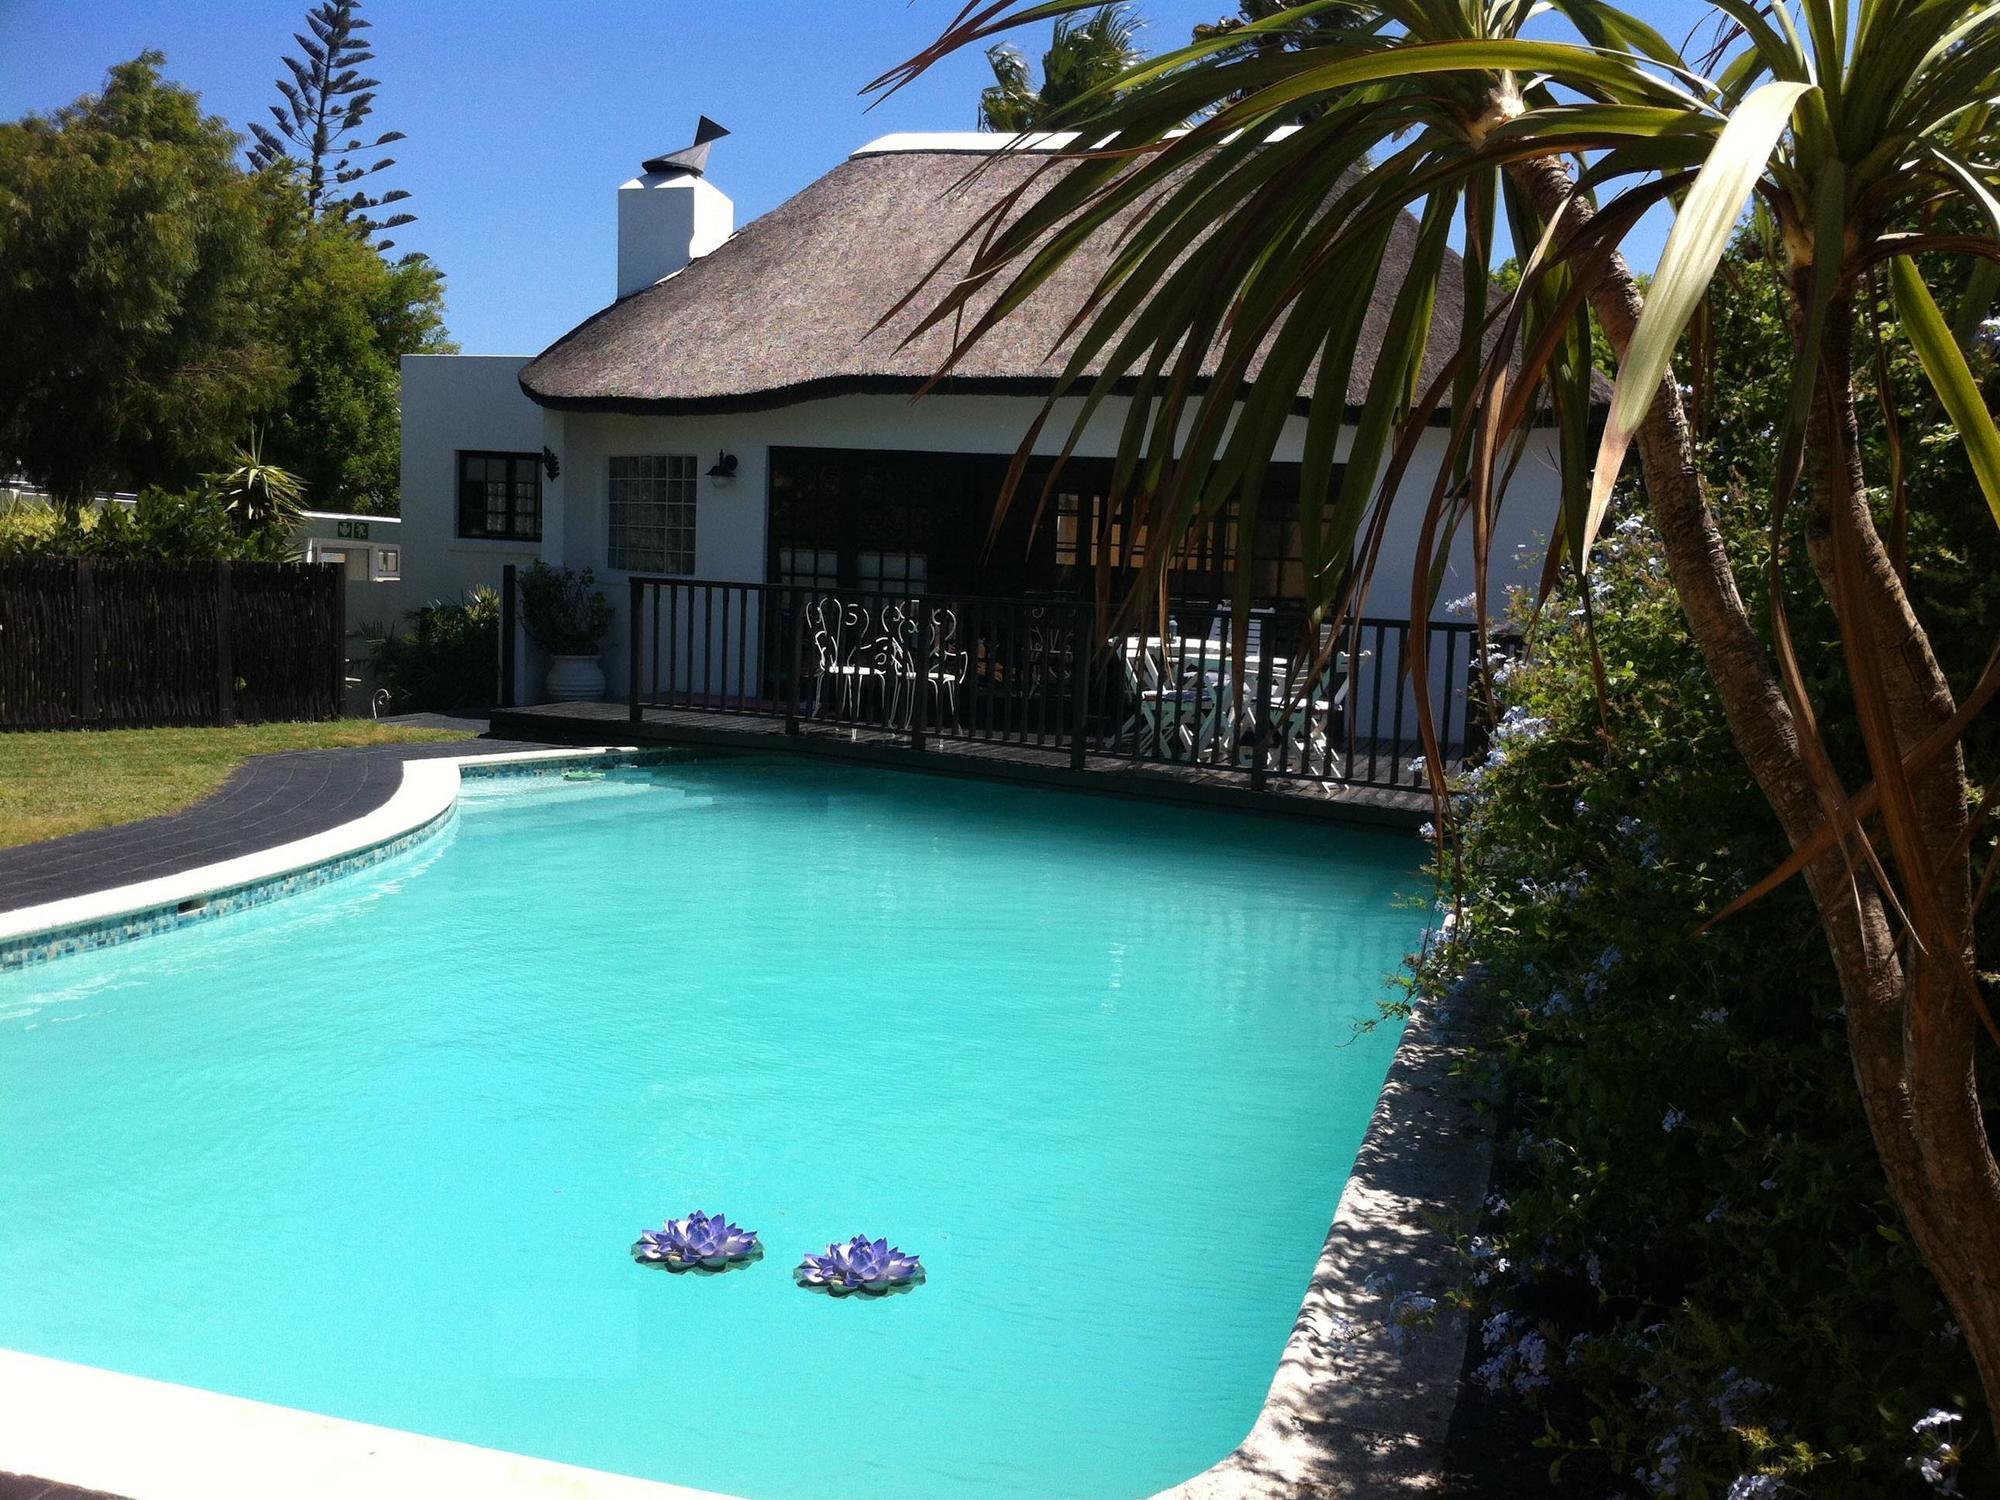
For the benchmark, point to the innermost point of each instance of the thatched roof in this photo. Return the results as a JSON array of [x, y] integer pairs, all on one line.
[[783, 310]]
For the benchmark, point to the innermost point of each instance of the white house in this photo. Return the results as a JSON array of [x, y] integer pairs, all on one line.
[[733, 415]]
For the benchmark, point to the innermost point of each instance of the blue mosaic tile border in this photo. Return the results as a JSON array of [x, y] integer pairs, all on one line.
[[560, 765], [44, 947]]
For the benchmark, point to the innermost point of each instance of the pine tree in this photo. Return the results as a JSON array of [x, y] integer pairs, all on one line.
[[326, 101]]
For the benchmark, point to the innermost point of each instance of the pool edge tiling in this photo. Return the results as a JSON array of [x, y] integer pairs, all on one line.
[[1357, 1407], [420, 807]]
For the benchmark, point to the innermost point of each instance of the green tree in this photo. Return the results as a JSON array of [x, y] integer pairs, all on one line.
[[1081, 55], [1864, 130], [1285, 26], [131, 267], [325, 104], [161, 303], [344, 317]]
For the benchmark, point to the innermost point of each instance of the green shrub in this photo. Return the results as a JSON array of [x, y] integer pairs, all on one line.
[[562, 610], [448, 661], [1690, 1270], [29, 527], [196, 526]]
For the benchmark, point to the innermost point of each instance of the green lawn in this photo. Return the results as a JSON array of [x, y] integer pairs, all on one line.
[[52, 784]]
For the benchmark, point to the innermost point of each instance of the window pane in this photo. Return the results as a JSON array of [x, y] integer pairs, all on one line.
[[650, 504], [500, 495]]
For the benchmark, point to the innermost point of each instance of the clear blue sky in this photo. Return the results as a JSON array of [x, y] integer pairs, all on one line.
[[523, 116]]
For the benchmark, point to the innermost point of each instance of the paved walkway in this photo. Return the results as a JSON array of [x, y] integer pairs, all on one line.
[[271, 799]]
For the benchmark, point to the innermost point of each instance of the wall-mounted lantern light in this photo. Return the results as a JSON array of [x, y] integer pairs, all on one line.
[[551, 465], [725, 467]]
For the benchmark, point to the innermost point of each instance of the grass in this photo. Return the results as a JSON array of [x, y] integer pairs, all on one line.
[[52, 784]]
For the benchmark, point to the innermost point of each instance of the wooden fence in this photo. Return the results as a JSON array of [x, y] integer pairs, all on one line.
[[103, 644]]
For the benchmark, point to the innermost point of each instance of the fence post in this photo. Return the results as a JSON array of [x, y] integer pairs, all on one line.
[[225, 645], [1082, 654], [799, 601], [635, 606], [790, 688], [1260, 756], [339, 699], [506, 696], [926, 623], [86, 640]]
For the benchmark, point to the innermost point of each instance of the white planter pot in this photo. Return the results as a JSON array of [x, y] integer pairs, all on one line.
[[575, 679]]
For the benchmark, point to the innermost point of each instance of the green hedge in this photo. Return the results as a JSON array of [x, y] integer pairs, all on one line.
[[1689, 1279]]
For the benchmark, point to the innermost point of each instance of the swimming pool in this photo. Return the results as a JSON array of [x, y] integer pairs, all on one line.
[[380, 1150]]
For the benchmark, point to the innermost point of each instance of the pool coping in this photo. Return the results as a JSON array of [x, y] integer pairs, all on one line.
[[71, 1425], [420, 806], [1361, 1403]]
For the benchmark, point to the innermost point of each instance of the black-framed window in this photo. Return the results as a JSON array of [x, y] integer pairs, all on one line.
[[500, 495], [651, 508]]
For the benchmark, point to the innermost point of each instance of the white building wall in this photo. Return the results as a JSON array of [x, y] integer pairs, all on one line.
[[664, 222], [451, 403], [455, 403], [731, 515]]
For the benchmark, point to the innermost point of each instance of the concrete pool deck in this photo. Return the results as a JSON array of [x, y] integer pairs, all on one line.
[[118, 1435], [1355, 1409], [1359, 1407]]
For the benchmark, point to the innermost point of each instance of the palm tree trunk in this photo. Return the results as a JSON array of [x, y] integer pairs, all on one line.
[[1910, 1032], [1923, 1033]]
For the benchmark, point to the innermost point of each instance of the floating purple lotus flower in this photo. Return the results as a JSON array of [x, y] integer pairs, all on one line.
[[860, 1265], [707, 1241]]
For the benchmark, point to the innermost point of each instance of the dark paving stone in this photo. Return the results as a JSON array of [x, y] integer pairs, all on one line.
[[269, 800]]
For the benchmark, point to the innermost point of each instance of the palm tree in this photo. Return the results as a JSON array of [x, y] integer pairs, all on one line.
[[1081, 55], [260, 495], [1865, 129]]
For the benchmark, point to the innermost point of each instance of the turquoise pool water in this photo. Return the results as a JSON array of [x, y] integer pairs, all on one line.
[[381, 1150]]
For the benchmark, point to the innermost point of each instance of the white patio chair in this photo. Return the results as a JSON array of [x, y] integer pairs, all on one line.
[[1161, 713], [849, 657], [1311, 714]]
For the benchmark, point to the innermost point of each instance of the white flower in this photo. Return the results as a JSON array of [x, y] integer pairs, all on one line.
[[1753, 1487], [1940, 1466], [1518, 724]]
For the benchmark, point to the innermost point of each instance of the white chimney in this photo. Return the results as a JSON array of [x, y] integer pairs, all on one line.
[[671, 215]]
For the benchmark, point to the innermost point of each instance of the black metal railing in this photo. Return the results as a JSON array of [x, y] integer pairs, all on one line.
[[1265, 694]]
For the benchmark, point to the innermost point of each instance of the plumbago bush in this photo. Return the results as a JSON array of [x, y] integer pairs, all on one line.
[[1689, 1280]]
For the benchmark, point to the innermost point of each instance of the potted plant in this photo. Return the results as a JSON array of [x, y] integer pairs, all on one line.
[[566, 615]]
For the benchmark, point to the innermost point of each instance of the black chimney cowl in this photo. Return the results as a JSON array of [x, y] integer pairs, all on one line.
[[692, 160]]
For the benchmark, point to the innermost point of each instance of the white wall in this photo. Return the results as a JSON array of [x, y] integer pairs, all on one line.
[[731, 515], [664, 222], [453, 403]]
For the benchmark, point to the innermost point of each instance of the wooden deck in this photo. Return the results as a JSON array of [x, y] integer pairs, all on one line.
[[1049, 765]]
